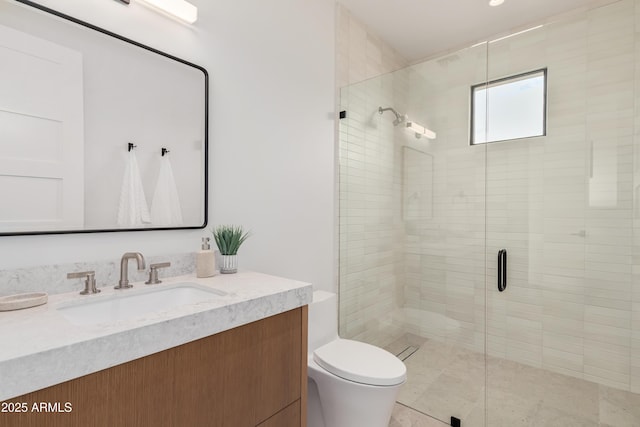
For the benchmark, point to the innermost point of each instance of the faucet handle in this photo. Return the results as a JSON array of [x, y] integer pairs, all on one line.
[[153, 272], [89, 283]]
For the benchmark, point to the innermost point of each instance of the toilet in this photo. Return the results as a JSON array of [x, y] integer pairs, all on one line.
[[350, 383]]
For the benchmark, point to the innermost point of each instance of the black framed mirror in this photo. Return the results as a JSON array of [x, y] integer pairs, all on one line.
[[98, 133]]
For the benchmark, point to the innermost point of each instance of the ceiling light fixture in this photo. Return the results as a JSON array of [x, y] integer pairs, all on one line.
[[180, 9], [495, 2]]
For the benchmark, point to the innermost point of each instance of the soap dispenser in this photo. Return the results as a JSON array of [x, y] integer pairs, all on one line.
[[205, 260]]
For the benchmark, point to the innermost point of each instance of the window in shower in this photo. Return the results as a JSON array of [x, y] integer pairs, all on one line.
[[509, 108]]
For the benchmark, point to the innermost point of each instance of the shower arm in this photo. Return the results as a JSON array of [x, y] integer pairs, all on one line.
[[399, 118]]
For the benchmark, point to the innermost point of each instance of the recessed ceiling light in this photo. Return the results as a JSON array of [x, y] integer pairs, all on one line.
[[495, 2]]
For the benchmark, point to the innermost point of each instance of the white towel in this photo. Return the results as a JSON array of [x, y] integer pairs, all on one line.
[[165, 207], [133, 209]]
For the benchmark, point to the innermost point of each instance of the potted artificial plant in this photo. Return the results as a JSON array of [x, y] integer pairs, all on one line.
[[228, 239]]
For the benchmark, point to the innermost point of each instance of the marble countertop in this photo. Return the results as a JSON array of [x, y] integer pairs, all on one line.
[[39, 347]]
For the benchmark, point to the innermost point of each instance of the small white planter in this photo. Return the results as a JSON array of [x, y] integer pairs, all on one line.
[[228, 264]]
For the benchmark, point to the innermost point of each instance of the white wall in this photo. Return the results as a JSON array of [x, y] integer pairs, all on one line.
[[271, 66]]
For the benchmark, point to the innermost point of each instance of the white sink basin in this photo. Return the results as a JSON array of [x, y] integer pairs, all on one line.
[[129, 304]]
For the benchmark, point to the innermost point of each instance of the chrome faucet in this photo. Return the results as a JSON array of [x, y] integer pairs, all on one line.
[[124, 268]]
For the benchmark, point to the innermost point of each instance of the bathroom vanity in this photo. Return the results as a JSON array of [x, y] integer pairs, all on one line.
[[236, 359]]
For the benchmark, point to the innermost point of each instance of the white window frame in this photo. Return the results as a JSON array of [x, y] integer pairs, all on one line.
[[506, 80]]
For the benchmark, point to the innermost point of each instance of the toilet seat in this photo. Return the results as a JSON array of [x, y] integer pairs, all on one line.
[[360, 362]]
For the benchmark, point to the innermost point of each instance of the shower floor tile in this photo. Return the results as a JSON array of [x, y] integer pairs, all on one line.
[[406, 417], [444, 380]]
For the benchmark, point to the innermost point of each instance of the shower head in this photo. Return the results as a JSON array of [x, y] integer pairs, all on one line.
[[400, 118], [419, 130]]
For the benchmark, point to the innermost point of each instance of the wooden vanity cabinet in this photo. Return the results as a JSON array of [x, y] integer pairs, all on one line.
[[252, 375]]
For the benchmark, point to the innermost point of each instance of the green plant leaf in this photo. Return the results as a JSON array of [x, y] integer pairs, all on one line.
[[229, 238]]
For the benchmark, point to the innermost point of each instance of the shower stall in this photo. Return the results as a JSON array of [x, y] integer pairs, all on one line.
[[501, 260]]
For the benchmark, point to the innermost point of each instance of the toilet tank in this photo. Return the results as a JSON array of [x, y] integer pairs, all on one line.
[[323, 319]]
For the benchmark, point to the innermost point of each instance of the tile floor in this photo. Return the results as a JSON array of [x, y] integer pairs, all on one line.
[[406, 417], [445, 380]]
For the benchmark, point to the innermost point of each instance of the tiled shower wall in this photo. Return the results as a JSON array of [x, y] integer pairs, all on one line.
[[564, 205], [371, 260], [444, 247], [361, 54], [371, 233], [635, 215]]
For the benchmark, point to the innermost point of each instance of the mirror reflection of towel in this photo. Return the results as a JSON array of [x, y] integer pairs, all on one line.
[[133, 209], [165, 207]]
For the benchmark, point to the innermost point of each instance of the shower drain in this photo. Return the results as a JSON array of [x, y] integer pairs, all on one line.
[[404, 354]]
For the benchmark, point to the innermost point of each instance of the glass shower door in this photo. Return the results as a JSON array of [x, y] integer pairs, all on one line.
[[562, 337]]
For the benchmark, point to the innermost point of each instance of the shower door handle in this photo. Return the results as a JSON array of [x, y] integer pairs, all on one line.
[[502, 270]]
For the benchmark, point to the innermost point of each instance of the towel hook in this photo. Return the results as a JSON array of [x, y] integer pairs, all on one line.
[[131, 146], [164, 151]]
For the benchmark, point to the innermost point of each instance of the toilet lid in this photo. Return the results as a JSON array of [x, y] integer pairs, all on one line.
[[360, 362]]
